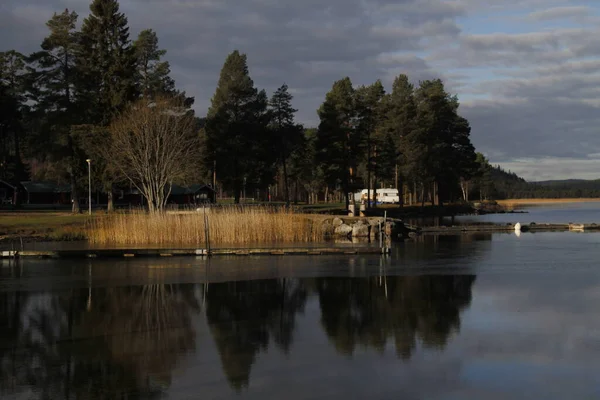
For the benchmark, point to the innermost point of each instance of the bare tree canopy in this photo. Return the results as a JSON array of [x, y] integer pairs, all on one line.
[[155, 144]]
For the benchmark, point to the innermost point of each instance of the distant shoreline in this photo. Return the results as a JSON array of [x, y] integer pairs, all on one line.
[[533, 202]]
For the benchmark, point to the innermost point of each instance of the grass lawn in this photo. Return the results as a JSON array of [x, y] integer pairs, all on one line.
[[49, 225]]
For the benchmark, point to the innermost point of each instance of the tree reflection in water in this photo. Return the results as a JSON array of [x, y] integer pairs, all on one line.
[[245, 316], [124, 346], [124, 342], [369, 311]]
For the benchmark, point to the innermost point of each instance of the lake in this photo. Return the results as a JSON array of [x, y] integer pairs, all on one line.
[[552, 213], [486, 316]]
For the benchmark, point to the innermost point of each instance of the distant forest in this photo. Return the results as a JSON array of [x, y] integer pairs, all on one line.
[[508, 185]]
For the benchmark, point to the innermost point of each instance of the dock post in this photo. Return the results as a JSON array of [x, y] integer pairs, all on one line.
[[206, 232]]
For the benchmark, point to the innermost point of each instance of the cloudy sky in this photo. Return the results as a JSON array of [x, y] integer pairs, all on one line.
[[526, 71]]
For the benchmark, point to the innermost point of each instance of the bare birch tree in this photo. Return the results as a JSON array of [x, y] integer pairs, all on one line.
[[154, 144]]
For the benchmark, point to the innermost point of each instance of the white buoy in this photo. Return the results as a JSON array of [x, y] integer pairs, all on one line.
[[517, 226]]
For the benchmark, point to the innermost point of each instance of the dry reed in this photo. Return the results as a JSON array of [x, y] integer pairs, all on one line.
[[227, 225]]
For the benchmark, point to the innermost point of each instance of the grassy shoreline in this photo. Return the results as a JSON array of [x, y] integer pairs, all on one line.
[[47, 226], [63, 226], [535, 202]]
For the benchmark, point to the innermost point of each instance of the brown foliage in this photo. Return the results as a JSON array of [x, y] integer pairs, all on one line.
[[232, 226], [154, 143]]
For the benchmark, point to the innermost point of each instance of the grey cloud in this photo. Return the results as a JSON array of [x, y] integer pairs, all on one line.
[[534, 128], [560, 12], [554, 168]]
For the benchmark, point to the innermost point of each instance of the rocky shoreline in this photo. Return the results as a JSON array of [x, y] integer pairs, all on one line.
[[369, 228]]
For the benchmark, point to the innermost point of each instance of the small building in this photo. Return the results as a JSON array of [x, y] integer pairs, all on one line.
[[9, 193], [191, 195], [46, 193]]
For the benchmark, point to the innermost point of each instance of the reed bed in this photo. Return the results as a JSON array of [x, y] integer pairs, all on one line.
[[234, 225]]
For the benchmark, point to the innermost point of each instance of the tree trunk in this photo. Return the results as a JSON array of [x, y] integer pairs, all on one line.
[[415, 194], [19, 170], [74, 195], [285, 182], [111, 206], [296, 193], [400, 187], [369, 172], [346, 186], [374, 191], [375, 177], [464, 187], [422, 195]]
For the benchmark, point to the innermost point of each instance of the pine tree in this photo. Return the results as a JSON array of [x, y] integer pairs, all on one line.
[[236, 135], [441, 150], [152, 73], [56, 78], [398, 122], [13, 82], [369, 110], [106, 63], [286, 133], [338, 141]]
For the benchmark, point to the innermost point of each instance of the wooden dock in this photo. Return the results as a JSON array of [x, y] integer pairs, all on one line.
[[129, 253]]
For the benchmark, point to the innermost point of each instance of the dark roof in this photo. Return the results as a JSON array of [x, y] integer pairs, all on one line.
[[45, 187], [192, 189]]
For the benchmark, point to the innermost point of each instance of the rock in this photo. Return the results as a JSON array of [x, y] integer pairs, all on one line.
[[375, 221], [343, 229], [337, 222], [360, 230]]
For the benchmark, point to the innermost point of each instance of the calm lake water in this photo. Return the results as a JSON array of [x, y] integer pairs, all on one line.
[[487, 316], [584, 212]]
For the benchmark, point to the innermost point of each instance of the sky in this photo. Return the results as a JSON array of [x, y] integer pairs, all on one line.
[[527, 72]]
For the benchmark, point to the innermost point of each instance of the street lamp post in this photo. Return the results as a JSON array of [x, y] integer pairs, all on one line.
[[89, 161]]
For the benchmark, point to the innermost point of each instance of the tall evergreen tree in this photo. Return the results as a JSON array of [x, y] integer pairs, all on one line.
[[287, 134], [152, 73], [106, 62], [440, 146], [398, 122], [369, 110], [304, 171], [13, 82], [56, 78], [338, 141], [237, 141]]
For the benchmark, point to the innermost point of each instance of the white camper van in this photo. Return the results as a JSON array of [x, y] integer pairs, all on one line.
[[387, 196], [383, 196]]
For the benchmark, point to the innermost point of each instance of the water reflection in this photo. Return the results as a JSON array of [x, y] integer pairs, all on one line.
[[370, 311], [245, 317], [126, 341], [419, 322], [125, 345]]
